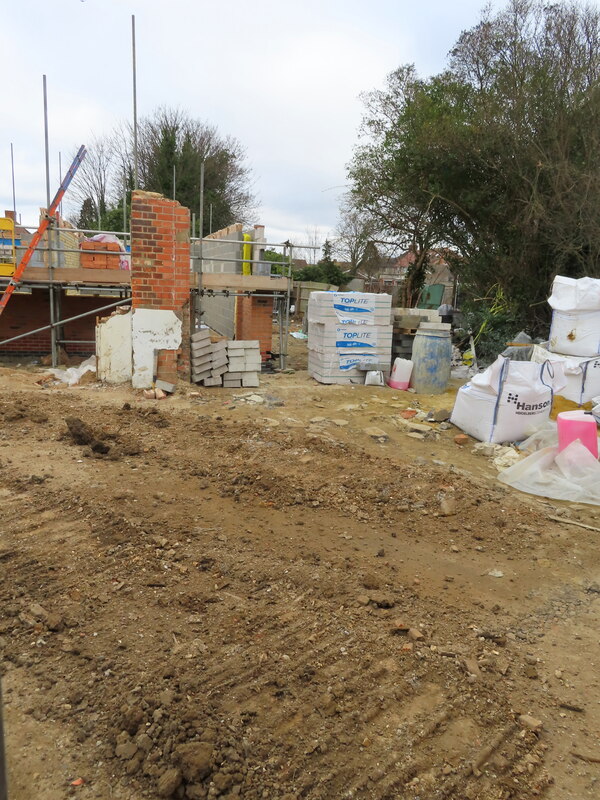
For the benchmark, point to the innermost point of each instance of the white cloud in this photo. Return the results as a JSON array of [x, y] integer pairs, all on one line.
[[282, 77]]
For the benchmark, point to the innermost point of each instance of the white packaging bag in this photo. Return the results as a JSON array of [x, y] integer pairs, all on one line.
[[374, 378], [571, 294], [508, 401], [575, 333], [582, 375]]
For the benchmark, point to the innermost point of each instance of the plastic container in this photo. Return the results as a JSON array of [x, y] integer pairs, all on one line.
[[574, 425], [401, 372], [432, 357]]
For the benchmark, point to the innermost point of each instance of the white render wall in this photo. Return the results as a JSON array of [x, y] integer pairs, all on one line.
[[151, 330], [113, 349]]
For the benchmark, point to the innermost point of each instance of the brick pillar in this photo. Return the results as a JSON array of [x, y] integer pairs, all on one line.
[[160, 269], [254, 320]]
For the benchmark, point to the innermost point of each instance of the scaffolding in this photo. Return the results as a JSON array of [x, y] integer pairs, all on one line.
[[281, 300], [120, 288]]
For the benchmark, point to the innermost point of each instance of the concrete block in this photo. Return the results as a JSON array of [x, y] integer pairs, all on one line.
[[242, 345], [219, 361], [234, 376], [237, 365], [250, 380], [202, 361], [165, 386], [229, 384], [199, 348], [200, 376], [219, 346], [216, 371], [201, 336], [216, 381]]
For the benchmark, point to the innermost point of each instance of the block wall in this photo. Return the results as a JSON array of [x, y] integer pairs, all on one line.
[[160, 269], [254, 320]]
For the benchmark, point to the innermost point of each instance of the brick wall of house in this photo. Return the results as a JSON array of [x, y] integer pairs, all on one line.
[[254, 320], [25, 312], [160, 269]]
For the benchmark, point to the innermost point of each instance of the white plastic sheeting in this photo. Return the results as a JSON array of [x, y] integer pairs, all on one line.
[[72, 375], [573, 474]]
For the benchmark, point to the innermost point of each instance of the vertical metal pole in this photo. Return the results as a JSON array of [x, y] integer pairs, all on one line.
[[135, 127], [210, 218], [201, 215], [288, 297], [193, 224], [279, 301], [12, 167], [60, 178], [53, 331], [200, 234], [124, 206], [174, 181]]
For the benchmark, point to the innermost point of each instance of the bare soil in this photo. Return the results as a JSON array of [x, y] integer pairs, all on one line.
[[209, 597]]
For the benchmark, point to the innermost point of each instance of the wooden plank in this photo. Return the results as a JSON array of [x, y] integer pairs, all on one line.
[[256, 283], [122, 277], [113, 277]]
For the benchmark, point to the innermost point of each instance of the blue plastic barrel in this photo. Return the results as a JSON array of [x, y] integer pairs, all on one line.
[[431, 357]]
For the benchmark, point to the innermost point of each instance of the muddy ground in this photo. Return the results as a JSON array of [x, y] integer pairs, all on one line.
[[208, 596]]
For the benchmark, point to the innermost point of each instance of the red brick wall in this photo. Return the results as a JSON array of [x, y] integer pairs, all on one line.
[[254, 320], [25, 312], [160, 269]]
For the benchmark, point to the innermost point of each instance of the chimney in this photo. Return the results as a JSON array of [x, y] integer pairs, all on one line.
[[10, 214]]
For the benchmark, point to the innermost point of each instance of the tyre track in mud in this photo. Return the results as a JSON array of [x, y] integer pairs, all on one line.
[[319, 703]]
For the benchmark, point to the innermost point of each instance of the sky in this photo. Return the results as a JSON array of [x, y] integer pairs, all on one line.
[[284, 77]]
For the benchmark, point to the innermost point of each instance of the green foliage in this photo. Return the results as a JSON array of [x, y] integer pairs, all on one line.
[[498, 156], [324, 271], [170, 144], [88, 217], [279, 261]]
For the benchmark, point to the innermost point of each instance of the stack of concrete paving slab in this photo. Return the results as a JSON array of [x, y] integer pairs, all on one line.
[[209, 359], [348, 334], [406, 322], [244, 365]]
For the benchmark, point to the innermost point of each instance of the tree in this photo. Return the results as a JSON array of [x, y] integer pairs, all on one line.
[[383, 188], [324, 271], [355, 231], [498, 155], [169, 140], [91, 186], [172, 139]]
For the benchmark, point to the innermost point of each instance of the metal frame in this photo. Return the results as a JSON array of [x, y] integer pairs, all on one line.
[[282, 308], [282, 299]]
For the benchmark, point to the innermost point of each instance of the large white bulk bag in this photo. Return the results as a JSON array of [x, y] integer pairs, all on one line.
[[582, 375], [508, 401], [575, 294], [575, 333]]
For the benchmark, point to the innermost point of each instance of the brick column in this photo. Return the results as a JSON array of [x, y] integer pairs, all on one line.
[[254, 320], [160, 269]]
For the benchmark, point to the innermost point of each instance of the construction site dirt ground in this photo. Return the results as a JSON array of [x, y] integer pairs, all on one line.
[[210, 596]]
